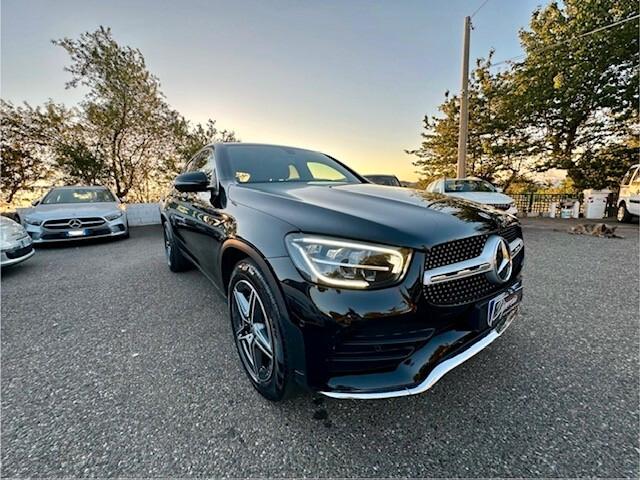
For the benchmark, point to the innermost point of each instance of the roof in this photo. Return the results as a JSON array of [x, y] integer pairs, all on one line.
[[87, 187], [248, 144]]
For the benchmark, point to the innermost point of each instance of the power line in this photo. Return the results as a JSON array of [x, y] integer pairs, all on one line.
[[599, 29], [479, 8]]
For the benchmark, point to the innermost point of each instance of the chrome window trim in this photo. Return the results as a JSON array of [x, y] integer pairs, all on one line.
[[483, 263]]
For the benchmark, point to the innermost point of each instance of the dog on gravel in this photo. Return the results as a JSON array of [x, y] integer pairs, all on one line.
[[601, 230]]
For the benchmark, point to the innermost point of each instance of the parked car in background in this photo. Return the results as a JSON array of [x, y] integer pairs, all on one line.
[[336, 284], [388, 180], [629, 197], [75, 213], [476, 190], [15, 243]]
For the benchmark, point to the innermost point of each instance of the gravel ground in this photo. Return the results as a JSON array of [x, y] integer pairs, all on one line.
[[113, 366]]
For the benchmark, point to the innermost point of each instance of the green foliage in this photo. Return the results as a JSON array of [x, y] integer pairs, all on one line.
[[28, 135], [123, 134], [571, 103], [499, 141]]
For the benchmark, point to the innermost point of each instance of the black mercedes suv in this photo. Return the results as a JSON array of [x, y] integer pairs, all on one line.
[[335, 284]]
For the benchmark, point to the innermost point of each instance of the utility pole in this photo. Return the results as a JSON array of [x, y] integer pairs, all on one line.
[[464, 102]]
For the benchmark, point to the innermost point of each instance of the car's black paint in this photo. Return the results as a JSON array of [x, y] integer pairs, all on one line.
[[216, 227], [192, 182]]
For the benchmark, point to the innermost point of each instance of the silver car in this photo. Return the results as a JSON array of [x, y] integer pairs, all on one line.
[[15, 243], [75, 213]]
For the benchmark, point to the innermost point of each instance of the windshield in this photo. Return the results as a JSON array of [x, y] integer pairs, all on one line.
[[388, 180], [468, 186], [261, 164], [78, 195]]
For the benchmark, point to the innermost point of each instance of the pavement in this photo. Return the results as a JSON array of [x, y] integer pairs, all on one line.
[[114, 366]]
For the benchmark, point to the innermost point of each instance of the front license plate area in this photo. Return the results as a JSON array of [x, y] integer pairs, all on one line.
[[75, 233], [502, 309]]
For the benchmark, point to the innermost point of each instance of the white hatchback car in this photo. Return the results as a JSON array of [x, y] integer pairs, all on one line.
[[629, 198], [476, 190]]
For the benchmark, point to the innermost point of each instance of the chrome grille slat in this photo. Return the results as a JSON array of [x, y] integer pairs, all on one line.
[[63, 223], [470, 283]]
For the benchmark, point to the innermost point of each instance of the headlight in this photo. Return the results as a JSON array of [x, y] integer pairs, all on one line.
[[33, 221], [113, 216], [346, 263]]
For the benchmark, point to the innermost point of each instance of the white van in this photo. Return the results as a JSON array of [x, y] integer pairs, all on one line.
[[629, 198]]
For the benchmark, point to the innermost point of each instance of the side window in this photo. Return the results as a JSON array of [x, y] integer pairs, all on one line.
[[626, 180], [321, 171], [636, 179], [205, 162], [198, 161], [208, 165]]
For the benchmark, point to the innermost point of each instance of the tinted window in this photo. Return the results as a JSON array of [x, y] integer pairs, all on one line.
[[468, 186], [259, 164], [78, 195], [198, 162], [627, 177], [389, 180]]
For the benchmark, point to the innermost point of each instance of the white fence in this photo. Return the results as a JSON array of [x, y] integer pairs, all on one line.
[[143, 214]]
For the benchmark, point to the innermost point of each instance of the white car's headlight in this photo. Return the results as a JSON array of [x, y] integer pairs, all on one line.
[[33, 221], [113, 216], [345, 263]]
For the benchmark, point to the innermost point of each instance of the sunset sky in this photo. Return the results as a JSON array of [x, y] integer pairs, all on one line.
[[350, 78]]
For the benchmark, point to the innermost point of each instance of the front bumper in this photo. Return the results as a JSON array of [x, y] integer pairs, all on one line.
[[439, 371], [381, 343], [41, 234], [16, 254]]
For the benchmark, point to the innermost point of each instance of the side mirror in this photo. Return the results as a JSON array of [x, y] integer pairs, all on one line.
[[192, 182], [35, 202], [499, 190]]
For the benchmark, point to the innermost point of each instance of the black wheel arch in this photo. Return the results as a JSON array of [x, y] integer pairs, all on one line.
[[233, 251]]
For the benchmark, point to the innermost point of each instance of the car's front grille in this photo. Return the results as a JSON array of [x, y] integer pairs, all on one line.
[[63, 235], [376, 349], [511, 232], [19, 252], [455, 251], [73, 223], [470, 289], [502, 206]]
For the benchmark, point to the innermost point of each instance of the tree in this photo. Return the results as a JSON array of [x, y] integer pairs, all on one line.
[[581, 88], [126, 134], [567, 105], [124, 111], [28, 134], [498, 139]]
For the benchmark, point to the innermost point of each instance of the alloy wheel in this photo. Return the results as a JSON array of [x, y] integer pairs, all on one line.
[[253, 332], [621, 213]]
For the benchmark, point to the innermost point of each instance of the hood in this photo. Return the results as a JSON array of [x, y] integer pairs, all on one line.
[[71, 210], [388, 215], [486, 198]]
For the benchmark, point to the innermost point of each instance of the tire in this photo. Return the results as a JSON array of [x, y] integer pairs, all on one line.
[[176, 260], [258, 333], [623, 214]]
